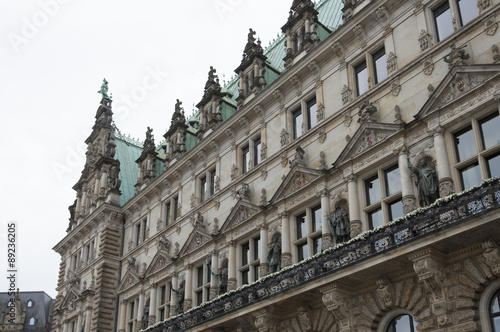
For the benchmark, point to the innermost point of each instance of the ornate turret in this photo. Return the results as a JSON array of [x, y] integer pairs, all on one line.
[[176, 135], [210, 105], [252, 69], [99, 181], [300, 30], [146, 162]]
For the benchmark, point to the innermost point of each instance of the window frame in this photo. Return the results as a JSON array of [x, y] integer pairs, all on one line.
[[456, 18], [312, 238], [202, 283], [250, 267], [368, 63]]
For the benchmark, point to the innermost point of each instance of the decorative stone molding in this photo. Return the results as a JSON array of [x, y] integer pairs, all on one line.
[[216, 147], [304, 318], [263, 151], [383, 15], [395, 87], [322, 134], [297, 84], [446, 187], [483, 4], [424, 39], [284, 160], [392, 61], [284, 137], [397, 115], [346, 94], [234, 171], [428, 65], [491, 255], [457, 56], [338, 49], [315, 69], [298, 157], [385, 292], [245, 124], [359, 32], [263, 321], [490, 25], [355, 228], [409, 204], [203, 158], [496, 53], [322, 161], [280, 97], [336, 301], [259, 110]]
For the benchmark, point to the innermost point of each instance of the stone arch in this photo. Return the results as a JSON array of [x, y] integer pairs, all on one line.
[[484, 303], [386, 320]]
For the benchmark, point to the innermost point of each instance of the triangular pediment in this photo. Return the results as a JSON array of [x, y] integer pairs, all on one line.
[[197, 239], [242, 211], [70, 299], [160, 261], [130, 278], [297, 178], [368, 136], [459, 82]]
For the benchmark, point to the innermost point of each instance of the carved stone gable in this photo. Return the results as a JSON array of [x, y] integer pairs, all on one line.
[[70, 300], [366, 137], [159, 262], [297, 178], [459, 82], [241, 212], [129, 280], [197, 239]]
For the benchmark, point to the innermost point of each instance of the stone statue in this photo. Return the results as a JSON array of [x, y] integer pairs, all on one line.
[[149, 143], [339, 224], [179, 303], [274, 255], [223, 276], [426, 182], [104, 90], [366, 111], [145, 317]]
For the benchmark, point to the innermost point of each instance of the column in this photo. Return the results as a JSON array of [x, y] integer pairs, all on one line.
[[88, 318], [354, 212], [231, 281], [79, 322], [409, 201], [122, 317], [286, 253], [65, 326], [140, 309], [188, 288], [446, 186], [326, 235], [173, 300], [214, 281], [152, 305], [264, 266]]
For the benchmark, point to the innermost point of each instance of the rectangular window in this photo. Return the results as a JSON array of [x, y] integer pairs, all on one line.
[[490, 133], [176, 204], [137, 234], [494, 166], [308, 227], [245, 159], [302, 251], [470, 176], [372, 190], [167, 213], [297, 123], [392, 181], [396, 210], [203, 188], [376, 218], [312, 108], [245, 254], [250, 261], [361, 73], [317, 245], [301, 225], [379, 66], [256, 248], [316, 218], [465, 144], [443, 21], [468, 10], [256, 151]]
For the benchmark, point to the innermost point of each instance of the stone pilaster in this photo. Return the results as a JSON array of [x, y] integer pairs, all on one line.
[[409, 199], [286, 254], [326, 236], [446, 186], [354, 212], [231, 281]]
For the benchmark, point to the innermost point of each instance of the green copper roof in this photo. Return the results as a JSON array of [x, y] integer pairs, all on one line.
[[127, 152]]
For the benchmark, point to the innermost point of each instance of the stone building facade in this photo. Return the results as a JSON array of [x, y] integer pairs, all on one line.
[[341, 182]]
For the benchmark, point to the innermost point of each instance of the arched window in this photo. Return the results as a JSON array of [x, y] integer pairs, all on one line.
[[495, 312], [32, 321], [30, 304], [402, 323]]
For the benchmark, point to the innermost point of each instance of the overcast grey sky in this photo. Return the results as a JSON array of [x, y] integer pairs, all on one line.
[[53, 57]]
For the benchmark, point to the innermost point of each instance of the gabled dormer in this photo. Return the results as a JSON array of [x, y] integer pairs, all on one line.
[[211, 104], [300, 30], [176, 134], [252, 69], [146, 162], [99, 181]]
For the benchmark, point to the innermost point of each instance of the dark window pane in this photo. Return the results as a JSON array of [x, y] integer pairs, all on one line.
[[380, 66], [444, 23], [317, 245], [245, 254], [316, 215], [176, 204], [199, 282], [392, 181], [471, 176], [301, 226], [167, 218], [297, 123], [376, 218], [256, 272], [244, 277], [372, 190], [199, 297], [163, 293], [162, 314], [494, 166], [311, 113], [468, 10], [396, 210], [465, 144], [489, 131], [256, 152], [203, 188], [361, 72], [302, 251]]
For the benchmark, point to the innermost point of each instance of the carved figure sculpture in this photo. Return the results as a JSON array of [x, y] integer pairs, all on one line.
[[339, 224], [179, 303], [223, 276], [104, 90], [426, 183], [274, 255], [366, 111], [145, 317]]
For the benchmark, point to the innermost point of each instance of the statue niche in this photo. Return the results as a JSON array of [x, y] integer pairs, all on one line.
[[425, 180], [339, 224]]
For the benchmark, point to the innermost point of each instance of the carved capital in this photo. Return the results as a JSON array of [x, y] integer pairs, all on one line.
[[385, 292], [491, 255], [263, 321], [335, 300], [429, 269]]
